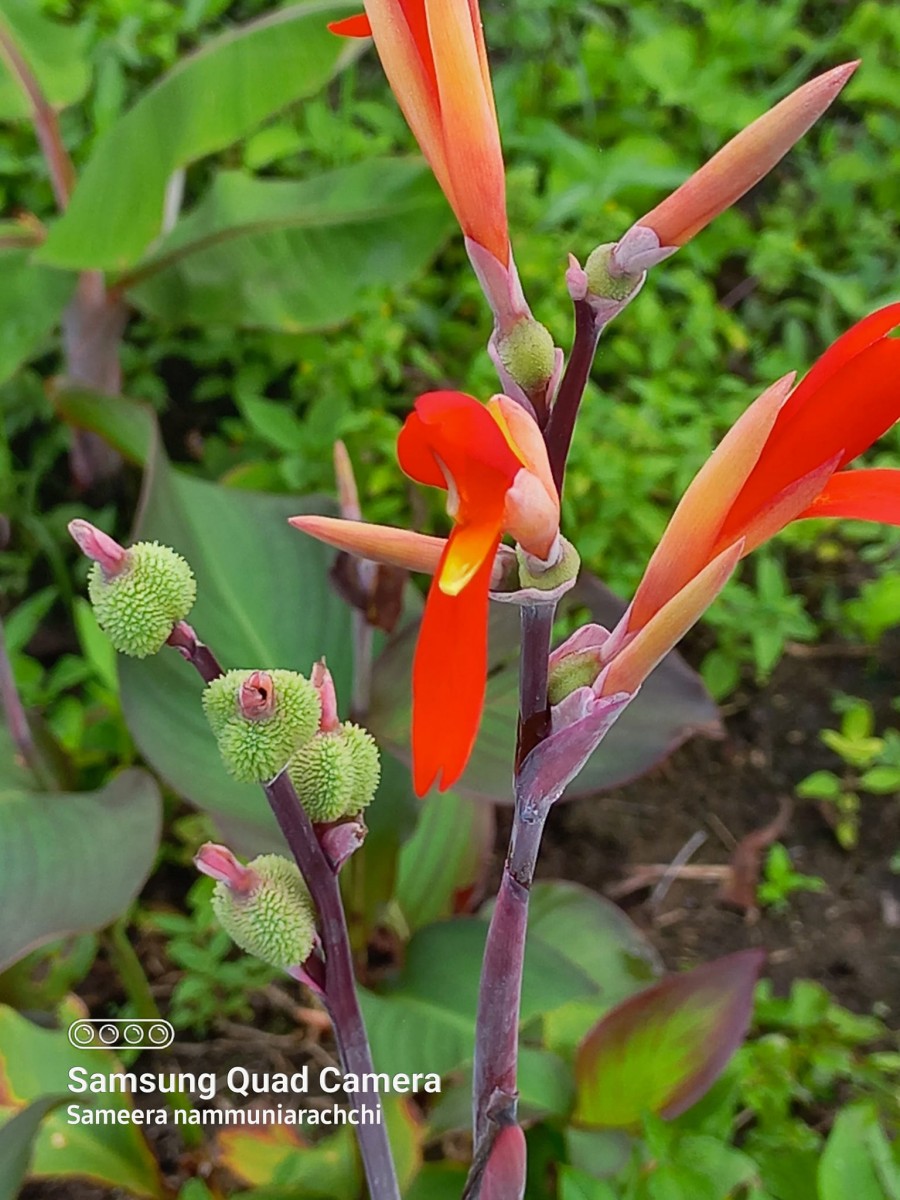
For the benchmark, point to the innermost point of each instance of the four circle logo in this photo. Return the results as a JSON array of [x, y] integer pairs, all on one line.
[[110, 1033]]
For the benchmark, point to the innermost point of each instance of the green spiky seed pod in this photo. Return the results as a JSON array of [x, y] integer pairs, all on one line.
[[138, 606], [528, 354], [324, 778], [256, 748], [366, 764], [275, 920]]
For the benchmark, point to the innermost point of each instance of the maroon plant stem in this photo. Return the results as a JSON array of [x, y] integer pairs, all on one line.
[[497, 1038], [561, 426], [339, 982], [199, 655]]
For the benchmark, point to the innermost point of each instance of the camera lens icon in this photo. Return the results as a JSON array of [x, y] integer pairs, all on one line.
[[123, 1033]]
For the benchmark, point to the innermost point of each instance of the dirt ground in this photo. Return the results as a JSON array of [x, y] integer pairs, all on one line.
[[847, 937]]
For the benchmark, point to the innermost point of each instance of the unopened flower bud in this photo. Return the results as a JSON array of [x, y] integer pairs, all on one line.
[[323, 777], [528, 354], [220, 864], [99, 546], [275, 920], [140, 596], [260, 719]]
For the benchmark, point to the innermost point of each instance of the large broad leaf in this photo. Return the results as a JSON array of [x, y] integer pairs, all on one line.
[[594, 933], [205, 103], [32, 299], [426, 1020], [446, 859], [263, 600], [660, 1051], [858, 1160], [295, 256], [280, 1157], [129, 426], [73, 863], [53, 54], [16, 1138], [34, 1066], [672, 706]]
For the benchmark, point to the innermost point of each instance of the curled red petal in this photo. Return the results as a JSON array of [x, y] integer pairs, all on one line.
[[861, 335], [860, 496], [352, 27], [850, 409], [449, 679]]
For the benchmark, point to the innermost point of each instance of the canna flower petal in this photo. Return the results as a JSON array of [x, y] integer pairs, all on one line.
[[492, 462], [849, 399], [434, 56], [631, 666], [352, 27], [687, 544], [449, 679], [377, 543], [860, 496]]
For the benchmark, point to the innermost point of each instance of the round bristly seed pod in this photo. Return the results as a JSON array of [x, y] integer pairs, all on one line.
[[138, 606], [323, 776], [274, 920]]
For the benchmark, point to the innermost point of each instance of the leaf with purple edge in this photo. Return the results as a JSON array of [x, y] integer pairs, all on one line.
[[659, 1051]]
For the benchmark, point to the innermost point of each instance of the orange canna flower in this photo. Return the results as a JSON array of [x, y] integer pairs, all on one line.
[[492, 462], [780, 462], [434, 56]]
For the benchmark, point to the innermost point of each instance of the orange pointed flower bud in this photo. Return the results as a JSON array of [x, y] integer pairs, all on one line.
[[729, 174], [434, 56], [492, 462], [779, 463]]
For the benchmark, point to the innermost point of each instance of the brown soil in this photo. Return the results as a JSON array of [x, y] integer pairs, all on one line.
[[847, 937]]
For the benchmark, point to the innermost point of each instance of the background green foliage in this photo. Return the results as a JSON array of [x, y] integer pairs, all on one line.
[[604, 108]]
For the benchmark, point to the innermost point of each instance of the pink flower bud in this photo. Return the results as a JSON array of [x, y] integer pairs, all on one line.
[[256, 696], [322, 681], [100, 547], [219, 863]]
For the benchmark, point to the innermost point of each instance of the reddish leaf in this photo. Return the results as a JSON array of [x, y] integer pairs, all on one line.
[[661, 1050]]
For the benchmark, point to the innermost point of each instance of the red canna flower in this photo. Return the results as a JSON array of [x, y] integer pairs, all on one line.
[[781, 461], [434, 56], [492, 462]]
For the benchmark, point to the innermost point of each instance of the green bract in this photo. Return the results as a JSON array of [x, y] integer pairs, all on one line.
[[138, 607], [256, 749], [276, 920], [528, 354], [601, 282], [562, 572]]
